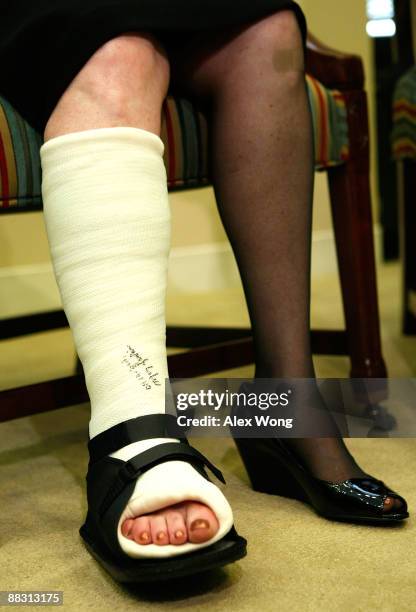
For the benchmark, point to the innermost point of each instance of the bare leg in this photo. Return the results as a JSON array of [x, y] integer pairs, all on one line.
[[104, 94], [252, 82]]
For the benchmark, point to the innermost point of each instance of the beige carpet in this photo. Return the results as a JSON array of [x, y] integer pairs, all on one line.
[[296, 561]]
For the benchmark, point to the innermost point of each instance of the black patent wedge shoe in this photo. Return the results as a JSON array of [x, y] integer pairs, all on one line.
[[110, 484], [274, 469]]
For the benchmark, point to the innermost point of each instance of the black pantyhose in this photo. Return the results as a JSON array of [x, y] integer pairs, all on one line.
[[262, 171]]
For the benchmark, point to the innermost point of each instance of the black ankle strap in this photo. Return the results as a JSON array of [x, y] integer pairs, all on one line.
[[134, 430], [158, 454]]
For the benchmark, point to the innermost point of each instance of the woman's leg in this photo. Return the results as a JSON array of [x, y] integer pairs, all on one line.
[[109, 247], [252, 81]]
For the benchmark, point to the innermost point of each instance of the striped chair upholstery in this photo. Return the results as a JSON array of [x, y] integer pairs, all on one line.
[[184, 133], [403, 139], [404, 116]]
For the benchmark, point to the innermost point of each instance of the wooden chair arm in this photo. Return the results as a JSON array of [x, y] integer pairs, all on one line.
[[334, 69]]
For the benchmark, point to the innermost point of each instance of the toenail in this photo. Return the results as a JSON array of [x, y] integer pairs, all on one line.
[[160, 536], [144, 536], [199, 524], [179, 534]]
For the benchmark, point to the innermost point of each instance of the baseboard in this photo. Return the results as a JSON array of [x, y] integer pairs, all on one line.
[[28, 289], [213, 267], [206, 267], [324, 258]]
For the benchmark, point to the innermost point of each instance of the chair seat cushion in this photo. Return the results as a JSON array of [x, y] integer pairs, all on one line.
[[184, 133]]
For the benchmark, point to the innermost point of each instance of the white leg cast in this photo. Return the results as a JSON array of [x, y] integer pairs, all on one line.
[[107, 218]]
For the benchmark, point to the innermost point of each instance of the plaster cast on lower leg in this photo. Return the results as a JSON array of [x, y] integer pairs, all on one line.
[[108, 224], [107, 218]]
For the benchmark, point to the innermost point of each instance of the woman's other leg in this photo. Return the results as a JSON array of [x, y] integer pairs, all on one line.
[[252, 82]]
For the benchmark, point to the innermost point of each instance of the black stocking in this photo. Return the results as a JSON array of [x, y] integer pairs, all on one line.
[[262, 168]]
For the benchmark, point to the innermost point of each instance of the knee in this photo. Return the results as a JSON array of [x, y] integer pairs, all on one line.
[[127, 65], [123, 83], [272, 48], [281, 30]]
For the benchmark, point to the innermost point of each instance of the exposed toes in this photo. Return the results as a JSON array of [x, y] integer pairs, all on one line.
[[140, 532], [176, 527], [126, 528], [185, 522], [391, 504], [201, 523], [159, 529]]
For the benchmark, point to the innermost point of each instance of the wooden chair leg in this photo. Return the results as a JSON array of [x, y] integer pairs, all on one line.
[[353, 226]]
